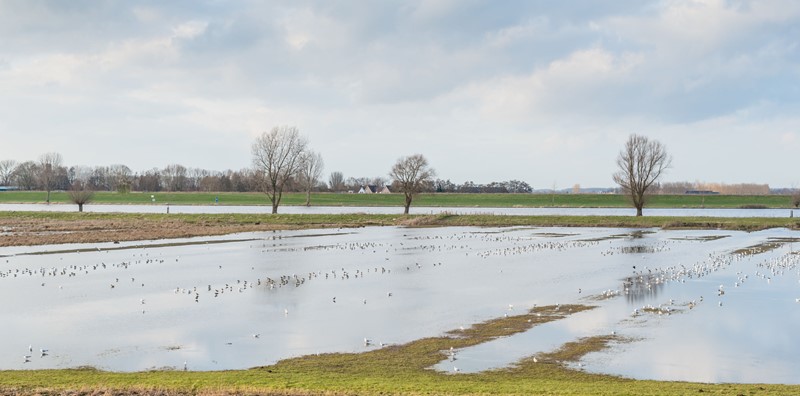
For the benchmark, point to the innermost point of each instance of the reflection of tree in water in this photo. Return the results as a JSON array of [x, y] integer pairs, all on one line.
[[641, 287], [637, 249]]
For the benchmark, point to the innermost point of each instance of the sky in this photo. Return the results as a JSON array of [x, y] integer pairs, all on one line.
[[545, 92]]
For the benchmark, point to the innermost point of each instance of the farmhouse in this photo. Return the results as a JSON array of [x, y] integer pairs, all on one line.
[[373, 189]]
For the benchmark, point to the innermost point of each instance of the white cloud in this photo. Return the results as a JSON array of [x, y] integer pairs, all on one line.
[[535, 91], [580, 83], [189, 30]]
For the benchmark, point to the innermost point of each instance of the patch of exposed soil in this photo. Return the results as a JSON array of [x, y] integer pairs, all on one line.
[[28, 232]]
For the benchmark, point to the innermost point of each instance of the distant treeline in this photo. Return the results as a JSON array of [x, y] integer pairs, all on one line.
[[175, 177], [673, 188]]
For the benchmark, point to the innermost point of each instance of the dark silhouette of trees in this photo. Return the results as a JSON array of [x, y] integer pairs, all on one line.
[[7, 172], [641, 163], [26, 175], [503, 187], [173, 177]]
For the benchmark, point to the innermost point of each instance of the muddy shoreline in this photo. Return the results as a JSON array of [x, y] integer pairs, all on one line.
[[32, 228], [30, 232]]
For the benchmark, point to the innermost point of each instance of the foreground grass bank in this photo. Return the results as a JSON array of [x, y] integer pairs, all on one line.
[[397, 369], [53, 228], [296, 221], [432, 200]]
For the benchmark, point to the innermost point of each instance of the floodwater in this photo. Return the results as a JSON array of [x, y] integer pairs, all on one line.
[[691, 306], [266, 209]]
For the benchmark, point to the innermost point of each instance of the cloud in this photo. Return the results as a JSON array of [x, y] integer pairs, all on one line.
[[524, 87], [586, 81]]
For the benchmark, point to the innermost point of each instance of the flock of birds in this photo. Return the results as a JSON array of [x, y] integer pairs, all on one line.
[[27, 357], [402, 255]]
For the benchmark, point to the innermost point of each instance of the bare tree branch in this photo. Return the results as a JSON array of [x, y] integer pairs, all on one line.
[[310, 172], [277, 156], [336, 181], [80, 194], [7, 172], [411, 176], [641, 163], [49, 164]]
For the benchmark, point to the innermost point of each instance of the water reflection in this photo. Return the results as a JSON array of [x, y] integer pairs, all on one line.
[[645, 287], [252, 299]]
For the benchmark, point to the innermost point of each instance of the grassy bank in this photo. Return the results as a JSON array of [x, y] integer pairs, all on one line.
[[440, 199], [295, 221], [398, 369]]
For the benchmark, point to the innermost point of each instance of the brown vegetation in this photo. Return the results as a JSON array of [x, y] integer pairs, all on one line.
[[721, 188], [42, 231]]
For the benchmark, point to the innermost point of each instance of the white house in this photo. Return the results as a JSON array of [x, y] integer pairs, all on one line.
[[373, 189]]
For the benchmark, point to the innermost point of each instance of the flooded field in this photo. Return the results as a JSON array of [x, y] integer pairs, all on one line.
[[711, 306]]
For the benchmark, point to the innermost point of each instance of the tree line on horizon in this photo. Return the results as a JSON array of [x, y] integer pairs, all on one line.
[[178, 178], [284, 162], [28, 176]]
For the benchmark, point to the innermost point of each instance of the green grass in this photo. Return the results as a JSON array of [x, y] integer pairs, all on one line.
[[437, 220], [441, 199], [398, 369]]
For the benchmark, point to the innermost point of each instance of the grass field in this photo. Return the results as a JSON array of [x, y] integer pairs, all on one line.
[[439, 199], [398, 369]]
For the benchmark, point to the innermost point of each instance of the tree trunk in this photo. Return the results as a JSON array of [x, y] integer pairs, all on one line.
[[408, 204], [639, 210], [276, 200], [80, 207], [48, 197], [308, 198]]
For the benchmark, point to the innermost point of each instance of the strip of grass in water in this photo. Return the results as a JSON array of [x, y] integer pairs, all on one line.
[[398, 369], [767, 246]]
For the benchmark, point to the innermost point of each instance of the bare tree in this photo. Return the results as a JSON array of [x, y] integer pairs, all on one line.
[[277, 155], [25, 175], [796, 198], [641, 163], [80, 194], [121, 178], [174, 177], [336, 181], [7, 172], [49, 167], [411, 176], [149, 180], [310, 172]]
